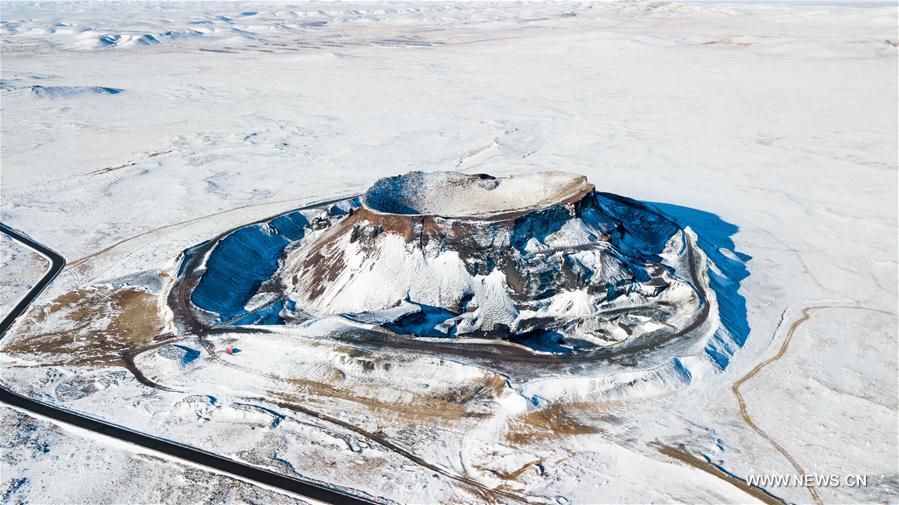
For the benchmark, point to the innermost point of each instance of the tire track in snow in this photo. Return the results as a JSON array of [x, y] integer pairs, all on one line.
[[93, 255], [484, 492], [744, 412]]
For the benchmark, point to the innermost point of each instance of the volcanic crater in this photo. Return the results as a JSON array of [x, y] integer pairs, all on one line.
[[543, 261]]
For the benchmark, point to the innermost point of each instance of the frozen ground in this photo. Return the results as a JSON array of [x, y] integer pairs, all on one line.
[[85, 469], [132, 132], [20, 268]]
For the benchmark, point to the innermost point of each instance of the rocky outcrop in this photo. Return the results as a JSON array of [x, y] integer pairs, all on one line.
[[540, 256]]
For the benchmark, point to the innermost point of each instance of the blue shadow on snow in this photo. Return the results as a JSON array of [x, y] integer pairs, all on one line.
[[714, 238], [189, 354], [242, 261]]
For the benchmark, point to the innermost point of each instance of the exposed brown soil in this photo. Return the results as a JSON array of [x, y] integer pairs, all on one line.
[[92, 327], [554, 421], [420, 408], [685, 457], [490, 388], [514, 474], [486, 494], [451, 405]]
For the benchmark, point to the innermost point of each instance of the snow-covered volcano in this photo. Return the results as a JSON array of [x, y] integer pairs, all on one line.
[[539, 258]]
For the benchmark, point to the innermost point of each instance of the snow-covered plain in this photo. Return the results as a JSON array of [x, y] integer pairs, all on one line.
[[99, 471], [133, 131], [22, 268]]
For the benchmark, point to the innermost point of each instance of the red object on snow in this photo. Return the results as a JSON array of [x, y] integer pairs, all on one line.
[[229, 350]]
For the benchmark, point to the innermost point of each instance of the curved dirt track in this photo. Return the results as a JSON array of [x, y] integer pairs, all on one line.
[[744, 412]]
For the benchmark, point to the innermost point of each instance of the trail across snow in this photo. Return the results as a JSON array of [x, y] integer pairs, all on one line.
[[133, 131]]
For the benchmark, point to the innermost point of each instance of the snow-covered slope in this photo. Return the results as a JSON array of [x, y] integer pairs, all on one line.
[[767, 131], [546, 257], [592, 286]]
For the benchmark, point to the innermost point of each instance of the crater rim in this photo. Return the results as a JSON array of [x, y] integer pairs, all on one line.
[[456, 195]]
